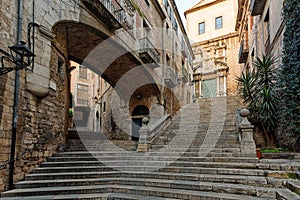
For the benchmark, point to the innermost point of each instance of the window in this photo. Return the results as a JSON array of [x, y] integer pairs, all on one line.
[[167, 28], [82, 94], [267, 25], [82, 72], [175, 26], [168, 60], [147, 2], [219, 22], [104, 106], [201, 28]]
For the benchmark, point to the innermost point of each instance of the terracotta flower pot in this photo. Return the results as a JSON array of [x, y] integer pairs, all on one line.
[[258, 154]]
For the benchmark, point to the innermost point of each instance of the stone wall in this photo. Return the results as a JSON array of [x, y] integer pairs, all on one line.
[[207, 66], [216, 50], [207, 12], [41, 123], [67, 31]]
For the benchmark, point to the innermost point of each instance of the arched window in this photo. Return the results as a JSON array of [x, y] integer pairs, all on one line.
[[140, 110]]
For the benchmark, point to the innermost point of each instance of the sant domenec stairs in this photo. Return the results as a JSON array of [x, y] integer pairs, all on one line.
[[191, 159]]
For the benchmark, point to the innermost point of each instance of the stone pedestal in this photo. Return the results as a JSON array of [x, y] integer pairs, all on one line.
[[143, 145], [247, 142]]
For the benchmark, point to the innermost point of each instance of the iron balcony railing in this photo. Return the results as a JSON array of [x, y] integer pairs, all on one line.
[[148, 51], [183, 49], [170, 78], [115, 8]]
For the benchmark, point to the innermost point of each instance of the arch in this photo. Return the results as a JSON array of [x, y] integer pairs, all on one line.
[[140, 110], [69, 41]]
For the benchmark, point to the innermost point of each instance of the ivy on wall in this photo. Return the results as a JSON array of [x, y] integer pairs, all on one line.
[[288, 81]]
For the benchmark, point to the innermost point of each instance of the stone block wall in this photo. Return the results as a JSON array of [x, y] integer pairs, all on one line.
[[234, 67], [41, 122]]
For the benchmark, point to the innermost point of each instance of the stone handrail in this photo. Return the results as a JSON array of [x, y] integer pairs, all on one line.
[[158, 126], [148, 133], [238, 121]]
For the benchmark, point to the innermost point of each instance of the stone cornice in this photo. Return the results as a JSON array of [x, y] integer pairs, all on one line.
[[216, 39], [202, 6]]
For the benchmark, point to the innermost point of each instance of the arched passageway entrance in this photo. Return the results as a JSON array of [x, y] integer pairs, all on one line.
[[137, 115], [95, 50]]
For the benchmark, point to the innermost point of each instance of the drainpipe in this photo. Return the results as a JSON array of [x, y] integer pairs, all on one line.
[[16, 102], [163, 65]]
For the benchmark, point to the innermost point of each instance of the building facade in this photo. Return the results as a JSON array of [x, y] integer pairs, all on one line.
[[87, 91], [117, 40], [260, 25], [211, 28], [261, 28]]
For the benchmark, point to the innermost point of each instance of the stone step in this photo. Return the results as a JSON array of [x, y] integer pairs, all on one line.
[[178, 164], [199, 140], [75, 172], [217, 191], [90, 145], [100, 196], [183, 148], [152, 160], [88, 148], [294, 186], [153, 153], [238, 179], [281, 164], [161, 183], [286, 194]]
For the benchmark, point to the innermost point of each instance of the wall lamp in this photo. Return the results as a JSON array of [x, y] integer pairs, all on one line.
[[20, 55]]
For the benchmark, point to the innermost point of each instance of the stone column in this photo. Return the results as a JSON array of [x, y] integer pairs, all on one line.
[[225, 86], [200, 88], [218, 85], [144, 136], [247, 143]]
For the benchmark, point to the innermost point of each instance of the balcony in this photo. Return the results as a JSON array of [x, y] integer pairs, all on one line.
[[148, 52], [244, 51], [110, 12], [185, 75], [257, 7], [170, 78]]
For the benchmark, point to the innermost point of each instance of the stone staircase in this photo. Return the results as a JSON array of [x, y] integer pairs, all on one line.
[[197, 157]]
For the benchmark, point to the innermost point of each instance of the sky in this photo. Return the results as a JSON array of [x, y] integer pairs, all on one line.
[[183, 5]]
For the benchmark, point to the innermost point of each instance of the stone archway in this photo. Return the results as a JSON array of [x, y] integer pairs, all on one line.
[[98, 52], [137, 115], [85, 44]]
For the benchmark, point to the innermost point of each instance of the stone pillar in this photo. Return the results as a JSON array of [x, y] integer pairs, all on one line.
[[144, 136], [225, 86], [218, 85], [247, 143], [200, 88]]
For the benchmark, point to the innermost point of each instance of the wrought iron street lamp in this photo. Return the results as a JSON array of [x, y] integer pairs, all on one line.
[[20, 55]]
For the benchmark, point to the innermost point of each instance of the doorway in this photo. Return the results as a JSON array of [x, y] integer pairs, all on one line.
[[137, 115], [209, 88]]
